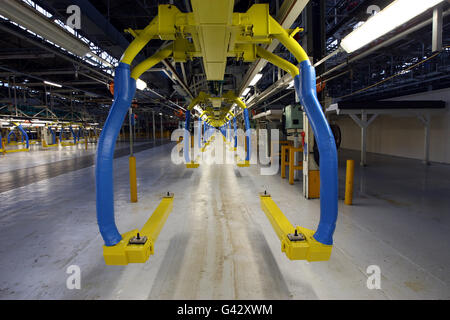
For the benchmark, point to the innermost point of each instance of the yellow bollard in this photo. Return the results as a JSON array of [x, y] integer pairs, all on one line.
[[349, 182], [133, 181], [85, 143]]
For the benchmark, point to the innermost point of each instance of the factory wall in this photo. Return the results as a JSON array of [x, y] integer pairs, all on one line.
[[403, 136]]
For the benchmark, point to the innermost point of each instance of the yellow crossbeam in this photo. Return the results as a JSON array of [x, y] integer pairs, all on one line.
[[296, 242], [136, 246]]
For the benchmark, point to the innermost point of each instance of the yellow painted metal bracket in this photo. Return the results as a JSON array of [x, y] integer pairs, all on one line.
[[16, 150], [136, 246], [297, 243]]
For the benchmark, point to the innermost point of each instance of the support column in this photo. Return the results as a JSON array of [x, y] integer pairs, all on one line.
[[425, 119], [154, 127], [363, 123], [363, 139], [437, 29], [162, 130], [132, 161]]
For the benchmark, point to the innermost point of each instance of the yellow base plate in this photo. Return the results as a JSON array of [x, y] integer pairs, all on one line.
[[243, 163], [124, 253], [192, 165], [308, 249], [16, 150]]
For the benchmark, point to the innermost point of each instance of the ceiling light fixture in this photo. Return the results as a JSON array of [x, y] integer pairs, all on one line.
[[53, 84], [246, 91], [391, 17], [255, 79], [140, 84], [29, 18]]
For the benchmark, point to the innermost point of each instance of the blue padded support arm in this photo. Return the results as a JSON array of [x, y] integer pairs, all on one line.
[[24, 134], [306, 90], [124, 91], [247, 134]]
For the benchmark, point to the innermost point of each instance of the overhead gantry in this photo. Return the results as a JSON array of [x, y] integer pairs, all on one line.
[[214, 33], [220, 121], [25, 140]]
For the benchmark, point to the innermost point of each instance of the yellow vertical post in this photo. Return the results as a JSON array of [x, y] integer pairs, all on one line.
[[133, 180], [284, 152], [349, 182], [85, 142], [291, 164]]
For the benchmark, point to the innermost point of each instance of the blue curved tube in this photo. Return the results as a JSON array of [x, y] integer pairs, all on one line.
[[78, 134], [53, 135], [24, 134], [306, 90], [74, 136], [235, 130], [124, 90], [9, 135], [247, 134], [223, 131], [186, 137], [199, 133]]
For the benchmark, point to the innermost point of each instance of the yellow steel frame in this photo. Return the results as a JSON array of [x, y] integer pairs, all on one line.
[[214, 33], [308, 249], [124, 253]]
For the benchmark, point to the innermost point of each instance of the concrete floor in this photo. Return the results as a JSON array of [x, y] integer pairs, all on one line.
[[217, 242]]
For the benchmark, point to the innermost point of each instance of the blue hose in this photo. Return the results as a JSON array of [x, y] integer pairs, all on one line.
[[235, 130], [24, 134], [124, 90], [247, 134], [306, 90], [74, 136], [10, 134], [53, 135]]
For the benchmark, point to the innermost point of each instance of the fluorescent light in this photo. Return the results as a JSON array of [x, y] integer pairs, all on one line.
[[53, 84], [391, 17], [28, 17], [255, 79], [291, 84], [246, 91], [141, 85]]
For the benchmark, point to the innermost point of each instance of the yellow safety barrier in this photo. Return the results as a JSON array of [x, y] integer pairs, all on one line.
[[133, 179], [284, 161], [65, 143], [14, 143], [136, 246], [17, 150], [45, 145], [349, 182], [292, 166], [297, 243]]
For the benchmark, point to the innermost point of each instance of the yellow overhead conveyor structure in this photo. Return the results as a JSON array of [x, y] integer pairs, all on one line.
[[214, 33]]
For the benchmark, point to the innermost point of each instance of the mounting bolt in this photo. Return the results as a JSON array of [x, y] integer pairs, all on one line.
[[168, 193], [138, 237], [265, 192], [296, 232]]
